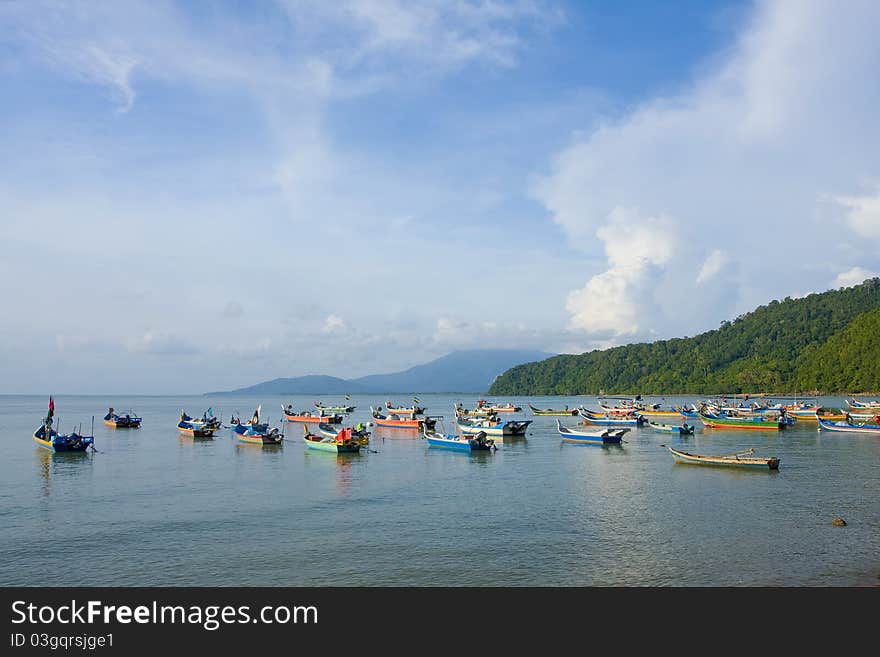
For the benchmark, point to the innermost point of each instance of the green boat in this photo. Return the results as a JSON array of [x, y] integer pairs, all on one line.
[[751, 423], [552, 411], [342, 444]]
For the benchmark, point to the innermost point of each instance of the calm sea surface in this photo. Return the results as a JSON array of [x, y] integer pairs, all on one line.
[[155, 508]]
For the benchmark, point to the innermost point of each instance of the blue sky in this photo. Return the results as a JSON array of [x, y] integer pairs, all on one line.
[[199, 196]]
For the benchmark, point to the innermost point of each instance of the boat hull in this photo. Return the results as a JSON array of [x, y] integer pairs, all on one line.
[[747, 425], [510, 428], [771, 463], [59, 444], [319, 444], [552, 412], [846, 427]]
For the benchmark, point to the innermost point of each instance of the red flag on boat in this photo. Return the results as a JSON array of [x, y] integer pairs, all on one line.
[[344, 435], [51, 406]]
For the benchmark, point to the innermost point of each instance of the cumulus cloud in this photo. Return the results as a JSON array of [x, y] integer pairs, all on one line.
[[853, 276], [611, 303], [863, 213], [742, 161]]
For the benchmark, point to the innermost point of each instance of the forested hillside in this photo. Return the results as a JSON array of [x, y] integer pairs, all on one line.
[[777, 347]]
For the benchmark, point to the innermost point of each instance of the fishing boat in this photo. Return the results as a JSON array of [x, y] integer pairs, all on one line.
[[479, 442], [394, 421], [848, 427], [255, 425], [552, 411], [47, 437], [308, 417], [648, 414], [258, 436], [343, 443], [207, 420], [333, 409], [736, 460], [461, 411], [688, 412], [493, 427], [863, 406], [358, 433], [754, 423], [604, 419], [415, 409], [195, 428], [682, 429], [482, 404], [591, 437], [124, 420]]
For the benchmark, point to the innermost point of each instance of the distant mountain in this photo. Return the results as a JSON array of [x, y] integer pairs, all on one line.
[[460, 371], [825, 342], [300, 385]]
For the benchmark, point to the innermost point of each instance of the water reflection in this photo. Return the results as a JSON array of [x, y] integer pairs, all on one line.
[[64, 464]]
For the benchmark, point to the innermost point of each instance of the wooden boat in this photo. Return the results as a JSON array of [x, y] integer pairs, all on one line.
[[333, 409], [393, 421], [306, 416], [256, 436], [460, 411], [415, 409], [648, 414], [753, 424], [47, 437], [551, 411], [207, 420], [591, 437], [848, 427], [691, 412], [343, 443], [358, 433], [863, 406], [127, 420], [465, 443], [255, 425], [601, 419], [191, 427], [682, 429], [482, 404], [493, 427], [736, 460]]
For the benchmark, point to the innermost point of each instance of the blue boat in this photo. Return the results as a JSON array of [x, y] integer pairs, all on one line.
[[254, 425], [45, 436], [478, 443], [606, 419]]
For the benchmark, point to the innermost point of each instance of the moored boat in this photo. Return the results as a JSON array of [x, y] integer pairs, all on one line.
[[359, 432], [254, 436], [415, 409], [603, 419], [47, 437], [479, 442], [553, 411], [753, 424], [737, 460], [848, 427], [394, 421], [124, 420], [866, 407], [195, 428], [309, 418], [342, 443], [592, 436], [681, 429], [333, 409], [482, 404], [493, 427]]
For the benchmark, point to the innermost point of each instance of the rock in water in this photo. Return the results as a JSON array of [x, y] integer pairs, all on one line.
[[838, 522]]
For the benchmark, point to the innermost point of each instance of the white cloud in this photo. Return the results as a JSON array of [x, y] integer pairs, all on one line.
[[712, 266], [743, 160], [864, 214], [613, 302], [853, 276]]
